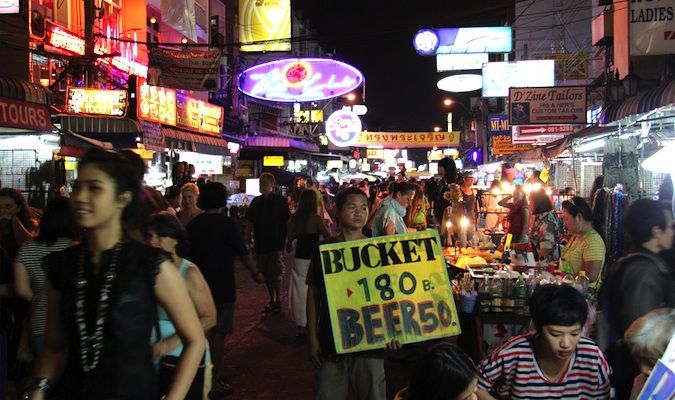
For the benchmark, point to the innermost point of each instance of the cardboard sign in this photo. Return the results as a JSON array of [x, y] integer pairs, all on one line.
[[547, 105], [386, 288]]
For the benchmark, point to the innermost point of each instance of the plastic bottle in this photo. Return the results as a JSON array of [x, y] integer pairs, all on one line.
[[507, 291], [581, 283], [484, 296], [520, 296], [496, 290]]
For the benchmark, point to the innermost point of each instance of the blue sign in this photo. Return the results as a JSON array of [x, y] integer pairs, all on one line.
[[498, 125], [463, 40]]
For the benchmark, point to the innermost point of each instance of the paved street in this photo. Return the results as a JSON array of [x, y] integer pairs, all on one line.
[[263, 358]]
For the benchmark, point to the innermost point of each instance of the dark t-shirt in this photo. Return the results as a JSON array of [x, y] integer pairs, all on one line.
[[215, 240], [324, 326], [269, 215], [125, 370]]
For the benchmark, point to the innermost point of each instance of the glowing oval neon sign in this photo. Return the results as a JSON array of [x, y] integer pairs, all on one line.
[[299, 80], [461, 83], [343, 128]]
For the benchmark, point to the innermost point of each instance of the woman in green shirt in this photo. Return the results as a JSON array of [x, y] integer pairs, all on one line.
[[585, 249]]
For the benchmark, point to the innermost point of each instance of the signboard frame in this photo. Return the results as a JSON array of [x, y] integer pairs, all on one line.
[[546, 99]]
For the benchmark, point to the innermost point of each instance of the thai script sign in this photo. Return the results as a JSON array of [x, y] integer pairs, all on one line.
[[198, 115], [299, 80], [96, 102], [386, 288], [652, 27], [265, 21], [395, 140], [22, 115], [554, 105], [429, 42], [184, 69], [156, 104]]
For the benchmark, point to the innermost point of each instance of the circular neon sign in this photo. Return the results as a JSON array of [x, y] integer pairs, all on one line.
[[343, 128], [300, 80], [425, 42]]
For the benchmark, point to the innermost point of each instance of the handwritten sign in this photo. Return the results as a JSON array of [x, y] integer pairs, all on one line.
[[396, 140], [386, 288]]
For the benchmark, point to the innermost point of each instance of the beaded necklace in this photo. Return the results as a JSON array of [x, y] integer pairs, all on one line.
[[90, 346]]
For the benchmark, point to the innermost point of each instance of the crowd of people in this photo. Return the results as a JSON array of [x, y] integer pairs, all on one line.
[[121, 292]]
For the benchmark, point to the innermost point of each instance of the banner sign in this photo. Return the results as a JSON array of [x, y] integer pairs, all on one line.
[[197, 115], [503, 144], [96, 102], [498, 125], [265, 21], [496, 39], [548, 105], [397, 140], [153, 139], [652, 27], [386, 288], [156, 104], [184, 69], [23, 115]]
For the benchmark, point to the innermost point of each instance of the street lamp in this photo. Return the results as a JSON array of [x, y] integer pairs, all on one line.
[[437, 128], [351, 97]]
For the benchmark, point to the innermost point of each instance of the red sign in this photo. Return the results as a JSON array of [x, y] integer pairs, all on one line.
[[22, 115]]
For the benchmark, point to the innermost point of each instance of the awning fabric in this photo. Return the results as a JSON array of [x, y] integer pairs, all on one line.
[[195, 142], [107, 141], [658, 97], [79, 124], [281, 143], [21, 90]]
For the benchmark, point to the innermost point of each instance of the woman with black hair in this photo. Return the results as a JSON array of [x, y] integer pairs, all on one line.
[[165, 232], [444, 373], [545, 230], [18, 223], [389, 219], [555, 361], [103, 295], [57, 231], [448, 173], [585, 250]]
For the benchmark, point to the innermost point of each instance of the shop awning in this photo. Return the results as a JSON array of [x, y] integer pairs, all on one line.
[[195, 142], [21, 90], [280, 142], [103, 125], [658, 97]]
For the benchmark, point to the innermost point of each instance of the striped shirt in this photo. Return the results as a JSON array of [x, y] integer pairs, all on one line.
[[512, 372], [31, 255]]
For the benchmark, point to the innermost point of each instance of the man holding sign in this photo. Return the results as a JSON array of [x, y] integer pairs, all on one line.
[[367, 293]]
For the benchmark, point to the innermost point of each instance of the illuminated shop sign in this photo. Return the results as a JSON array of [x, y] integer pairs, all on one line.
[[429, 42], [343, 128], [24, 115], [273, 161], [299, 80], [265, 22], [460, 62], [60, 38], [9, 6], [198, 115], [97, 102], [403, 140], [461, 83], [157, 104], [498, 77]]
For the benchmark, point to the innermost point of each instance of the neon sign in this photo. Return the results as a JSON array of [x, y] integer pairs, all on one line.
[[343, 128], [97, 102], [64, 40], [461, 83], [497, 39], [299, 80]]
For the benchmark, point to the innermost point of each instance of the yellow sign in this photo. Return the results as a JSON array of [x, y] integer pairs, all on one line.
[[502, 144], [273, 161], [156, 104], [268, 21], [375, 154], [386, 288], [396, 140], [568, 66], [97, 102], [308, 116]]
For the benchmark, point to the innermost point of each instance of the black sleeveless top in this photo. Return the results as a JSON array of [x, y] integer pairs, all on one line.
[[306, 245], [125, 369]]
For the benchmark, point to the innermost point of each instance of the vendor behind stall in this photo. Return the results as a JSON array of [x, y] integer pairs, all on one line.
[[519, 214], [554, 362], [585, 249], [545, 230]]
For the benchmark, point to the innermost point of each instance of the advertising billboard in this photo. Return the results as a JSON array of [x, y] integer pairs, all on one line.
[[299, 80], [265, 21], [198, 115], [184, 69], [548, 105], [461, 83], [96, 102], [652, 27], [498, 77], [156, 104], [495, 39], [9, 6], [460, 62]]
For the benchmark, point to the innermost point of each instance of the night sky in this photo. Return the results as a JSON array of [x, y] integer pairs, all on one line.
[[376, 37]]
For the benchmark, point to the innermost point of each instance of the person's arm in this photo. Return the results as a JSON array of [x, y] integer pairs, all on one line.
[[313, 300], [593, 258], [525, 223], [172, 295], [22, 234], [504, 202], [249, 263], [323, 229], [389, 227], [290, 236], [482, 394], [22, 281], [201, 297], [51, 360]]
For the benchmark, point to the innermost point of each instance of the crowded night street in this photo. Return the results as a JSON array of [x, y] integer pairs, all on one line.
[[337, 200]]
